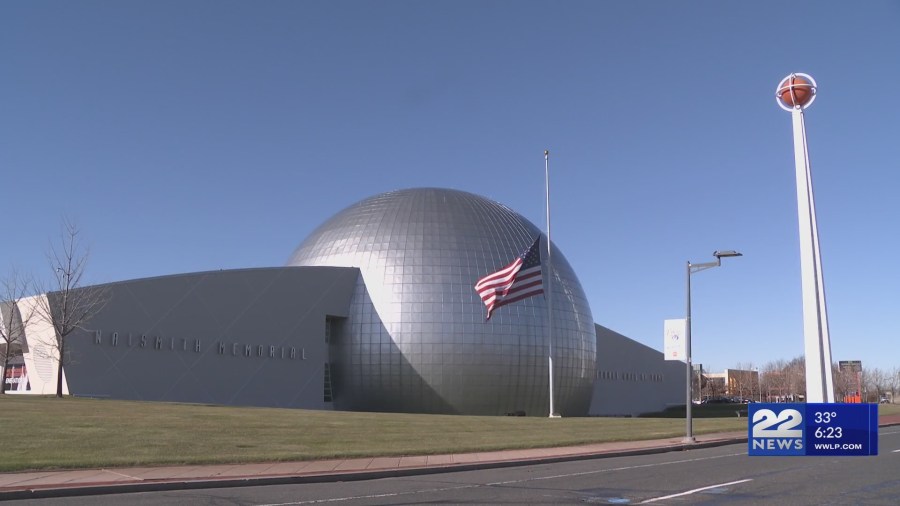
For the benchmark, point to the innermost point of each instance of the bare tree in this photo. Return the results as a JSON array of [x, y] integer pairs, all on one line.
[[12, 321], [68, 305], [796, 374], [715, 387], [894, 382], [745, 380], [786, 380], [774, 380], [845, 383], [865, 383], [736, 381], [876, 380]]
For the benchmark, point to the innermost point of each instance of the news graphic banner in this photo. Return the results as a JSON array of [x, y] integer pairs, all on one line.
[[812, 429]]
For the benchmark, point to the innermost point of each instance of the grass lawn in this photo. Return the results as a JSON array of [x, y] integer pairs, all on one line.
[[45, 432], [50, 433]]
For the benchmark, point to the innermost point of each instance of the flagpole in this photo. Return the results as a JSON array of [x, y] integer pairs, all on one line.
[[549, 290]]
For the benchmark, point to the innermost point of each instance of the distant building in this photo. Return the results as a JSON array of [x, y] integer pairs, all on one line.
[[376, 311], [734, 383]]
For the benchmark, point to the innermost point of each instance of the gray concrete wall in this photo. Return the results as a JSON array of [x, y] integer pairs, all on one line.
[[633, 378], [256, 337], [250, 337]]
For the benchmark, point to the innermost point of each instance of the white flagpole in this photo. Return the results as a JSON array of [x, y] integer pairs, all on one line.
[[549, 286]]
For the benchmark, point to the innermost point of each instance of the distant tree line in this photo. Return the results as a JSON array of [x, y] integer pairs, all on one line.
[[785, 381], [782, 380]]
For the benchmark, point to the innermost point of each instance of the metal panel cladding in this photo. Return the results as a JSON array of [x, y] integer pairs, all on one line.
[[416, 339]]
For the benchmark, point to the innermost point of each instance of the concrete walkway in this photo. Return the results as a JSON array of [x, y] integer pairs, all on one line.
[[40, 484]]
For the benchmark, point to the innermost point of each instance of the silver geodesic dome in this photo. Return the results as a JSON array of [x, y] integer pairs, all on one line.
[[416, 339]]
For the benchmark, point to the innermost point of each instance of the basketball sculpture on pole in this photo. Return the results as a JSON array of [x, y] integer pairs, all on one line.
[[795, 93]]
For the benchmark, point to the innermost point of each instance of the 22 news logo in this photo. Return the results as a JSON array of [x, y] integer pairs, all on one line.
[[777, 433]]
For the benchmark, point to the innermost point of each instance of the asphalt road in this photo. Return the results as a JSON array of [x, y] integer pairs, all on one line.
[[723, 475]]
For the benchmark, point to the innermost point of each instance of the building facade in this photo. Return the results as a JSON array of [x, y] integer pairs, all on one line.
[[250, 337], [734, 383], [376, 311], [633, 379], [416, 338]]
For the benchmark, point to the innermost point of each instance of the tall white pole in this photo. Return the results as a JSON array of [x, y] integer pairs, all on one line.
[[549, 282], [817, 341]]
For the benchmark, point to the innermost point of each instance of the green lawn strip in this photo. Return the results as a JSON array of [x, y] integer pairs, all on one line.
[[889, 409], [50, 433]]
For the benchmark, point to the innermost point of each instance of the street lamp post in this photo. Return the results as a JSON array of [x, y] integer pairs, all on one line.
[[692, 268]]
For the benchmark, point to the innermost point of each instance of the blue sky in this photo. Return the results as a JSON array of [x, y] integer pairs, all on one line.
[[185, 136]]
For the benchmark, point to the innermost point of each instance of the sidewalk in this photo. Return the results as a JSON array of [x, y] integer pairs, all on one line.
[[122, 480], [40, 484]]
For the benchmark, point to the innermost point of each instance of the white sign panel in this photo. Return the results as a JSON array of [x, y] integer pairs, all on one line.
[[674, 345]]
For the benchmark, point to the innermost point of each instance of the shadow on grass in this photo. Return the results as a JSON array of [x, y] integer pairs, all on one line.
[[703, 411]]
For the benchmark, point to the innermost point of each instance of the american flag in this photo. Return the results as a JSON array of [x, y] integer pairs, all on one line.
[[519, 280]]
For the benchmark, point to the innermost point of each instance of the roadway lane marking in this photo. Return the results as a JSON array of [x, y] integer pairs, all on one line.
[[626, 468], [689, 492], [896, 451], [498, 483]]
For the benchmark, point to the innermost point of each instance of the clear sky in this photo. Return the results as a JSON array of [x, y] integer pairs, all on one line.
[[185, 136]]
